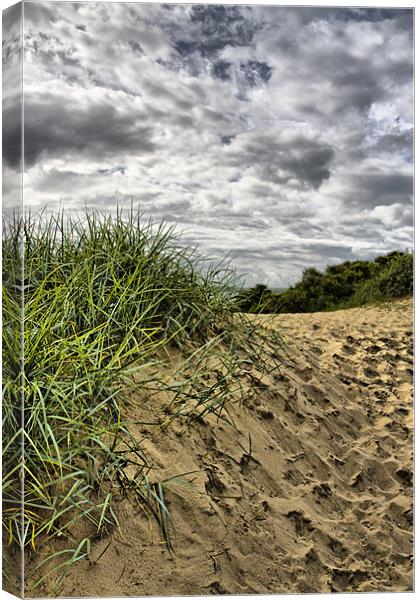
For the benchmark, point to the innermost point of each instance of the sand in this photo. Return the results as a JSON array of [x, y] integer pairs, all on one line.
[[320, 502]]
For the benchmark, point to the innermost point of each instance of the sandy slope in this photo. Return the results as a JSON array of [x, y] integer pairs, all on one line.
[[323, 502]]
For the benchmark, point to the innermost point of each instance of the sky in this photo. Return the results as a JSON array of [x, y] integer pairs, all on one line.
[[281, 137]]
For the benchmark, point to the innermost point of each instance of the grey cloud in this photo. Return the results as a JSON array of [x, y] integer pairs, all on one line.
[[12, 132], [398, 71], [379, 189], [50, 51], [222, 69], [310, 162], [304, 228], [12, 86], [365, 14], [56, 126], [357, 80], [359, 96], [172, 119], [117, 169], [216, 27], [398, 142], [256, 72], [252, 72], [301, 158], [227, 139], [158, 89], [11, 35], [404, 217], [367, 231], [373, 14], [329, 251], [356, 84], [60, 180], [40, 13], [368, 225]]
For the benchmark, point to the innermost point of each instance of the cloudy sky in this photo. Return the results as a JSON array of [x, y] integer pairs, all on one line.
[[280, 136]]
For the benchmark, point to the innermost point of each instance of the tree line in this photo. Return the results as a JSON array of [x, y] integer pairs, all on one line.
[[346, 285]]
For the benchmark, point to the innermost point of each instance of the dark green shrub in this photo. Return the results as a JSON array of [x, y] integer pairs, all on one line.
[[397, 280], [387, 259], [254, 299], [366, 292], [351, 283]]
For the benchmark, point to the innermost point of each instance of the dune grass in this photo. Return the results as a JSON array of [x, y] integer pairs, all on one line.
[[102, 299]]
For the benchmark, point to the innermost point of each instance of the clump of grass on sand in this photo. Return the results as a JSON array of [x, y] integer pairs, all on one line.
[[104, 300]]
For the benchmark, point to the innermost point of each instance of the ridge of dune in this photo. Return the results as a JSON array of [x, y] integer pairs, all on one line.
[[310, 491]]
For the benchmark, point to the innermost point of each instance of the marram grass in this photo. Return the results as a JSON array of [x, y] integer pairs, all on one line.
[[102, 298]]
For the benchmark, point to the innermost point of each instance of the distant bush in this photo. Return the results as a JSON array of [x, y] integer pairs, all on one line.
[[351, 283], [254, 299], [366, 293], [397, 280]]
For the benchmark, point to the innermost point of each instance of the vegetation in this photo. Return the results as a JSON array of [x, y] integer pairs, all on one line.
[[104, 299], [352, 283]]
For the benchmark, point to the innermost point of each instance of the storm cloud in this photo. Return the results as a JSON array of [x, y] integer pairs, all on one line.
[[90, 128], [280, 136]]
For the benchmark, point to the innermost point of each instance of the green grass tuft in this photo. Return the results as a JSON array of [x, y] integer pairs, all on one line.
[[102, 299]]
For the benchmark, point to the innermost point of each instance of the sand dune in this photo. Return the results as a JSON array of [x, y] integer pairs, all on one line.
[[311, 491]]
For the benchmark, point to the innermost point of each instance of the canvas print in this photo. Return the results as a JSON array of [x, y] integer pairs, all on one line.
[[207, 299]]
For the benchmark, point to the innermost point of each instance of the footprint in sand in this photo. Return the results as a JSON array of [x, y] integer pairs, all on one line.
[[303, 526], [315, 395], [373, 349], [370, 372], [345, 580], [405, 476], [305, 374], [348, 350], [316, 350], [337, 548]]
